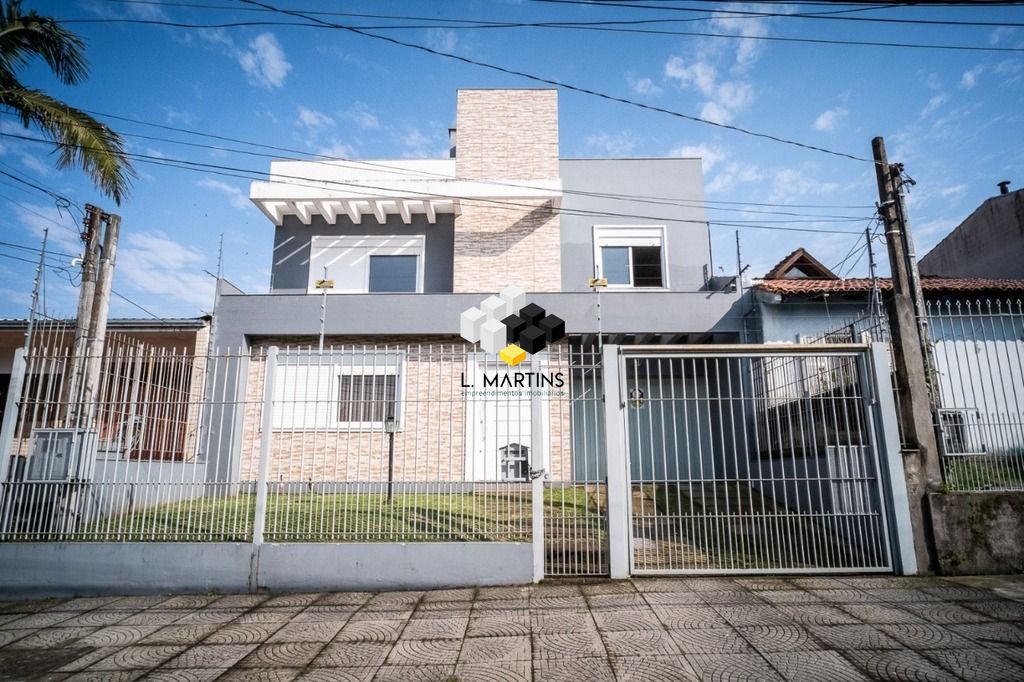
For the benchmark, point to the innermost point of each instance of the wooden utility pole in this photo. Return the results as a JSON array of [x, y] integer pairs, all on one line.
[[921, 453], [75, 372]]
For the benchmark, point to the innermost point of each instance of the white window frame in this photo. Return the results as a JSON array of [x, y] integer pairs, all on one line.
[[373, 245], [285, 417], [629, 236]]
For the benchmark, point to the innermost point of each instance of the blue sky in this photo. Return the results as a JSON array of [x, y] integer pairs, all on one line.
[[954, 118]]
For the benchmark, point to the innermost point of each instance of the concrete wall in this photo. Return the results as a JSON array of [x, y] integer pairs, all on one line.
[[66, 569], [687, 244], [978, 533], [290, 267], [989, 243]]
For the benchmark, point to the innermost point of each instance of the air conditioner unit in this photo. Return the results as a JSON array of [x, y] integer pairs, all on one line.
[[61, 455]]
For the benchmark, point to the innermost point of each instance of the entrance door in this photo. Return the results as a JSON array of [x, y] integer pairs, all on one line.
[[498, 424]]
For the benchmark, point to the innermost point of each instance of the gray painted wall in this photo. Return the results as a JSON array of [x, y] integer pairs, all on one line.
[[289, 272], [687, 243], [989, 243], [240, 317], [786, 322], [92, 568]]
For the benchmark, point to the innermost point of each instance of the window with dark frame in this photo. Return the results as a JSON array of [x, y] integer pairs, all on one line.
[[392, 274], [635, 266]]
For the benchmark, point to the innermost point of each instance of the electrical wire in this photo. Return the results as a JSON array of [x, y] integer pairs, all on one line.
[[332, 162], [299, 181], [568, 86], [747, 14], [567, 26]]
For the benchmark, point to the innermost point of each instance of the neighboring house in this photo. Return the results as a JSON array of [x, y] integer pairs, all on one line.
[[148, 367], [975, 327], [988, 243], [407, 245], [799, 299]]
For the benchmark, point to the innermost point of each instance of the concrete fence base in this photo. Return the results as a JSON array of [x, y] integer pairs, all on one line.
[[978, 533], [61, 569]]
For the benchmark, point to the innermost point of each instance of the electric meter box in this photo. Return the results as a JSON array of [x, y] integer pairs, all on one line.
[[61, 455]]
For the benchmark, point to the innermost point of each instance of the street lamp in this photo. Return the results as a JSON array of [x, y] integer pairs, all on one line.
[[389, 427]]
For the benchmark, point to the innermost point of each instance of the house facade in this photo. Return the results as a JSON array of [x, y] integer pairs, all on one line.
[[406, 246]]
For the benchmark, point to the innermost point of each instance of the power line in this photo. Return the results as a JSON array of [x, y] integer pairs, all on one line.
[[604, 195], [606, 27], [313, 158], [249, 174], [747, 14], [566, 86]]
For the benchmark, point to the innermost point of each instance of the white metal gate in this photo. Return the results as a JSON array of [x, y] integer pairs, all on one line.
[[754, 459]]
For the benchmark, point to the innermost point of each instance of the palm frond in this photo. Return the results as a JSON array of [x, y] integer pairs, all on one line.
[[81, 140], [25, 35]]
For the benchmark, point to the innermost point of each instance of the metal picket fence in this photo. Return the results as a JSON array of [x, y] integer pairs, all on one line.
[[976, 353], [355, 443], [978, 357]]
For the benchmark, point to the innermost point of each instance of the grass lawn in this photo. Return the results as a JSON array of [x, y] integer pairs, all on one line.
[[346, 517], [965, 473]]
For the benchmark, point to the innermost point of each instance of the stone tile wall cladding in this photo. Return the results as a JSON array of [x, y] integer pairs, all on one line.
[[431, 444], [507, 135]]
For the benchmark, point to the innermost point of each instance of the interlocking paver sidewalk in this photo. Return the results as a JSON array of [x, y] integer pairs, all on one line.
[[801, 628]]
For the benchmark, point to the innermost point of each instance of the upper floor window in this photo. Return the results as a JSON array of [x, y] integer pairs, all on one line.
[[367, 264], [630, 257]]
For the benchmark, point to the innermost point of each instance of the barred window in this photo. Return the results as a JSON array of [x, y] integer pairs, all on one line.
[[366, 398]]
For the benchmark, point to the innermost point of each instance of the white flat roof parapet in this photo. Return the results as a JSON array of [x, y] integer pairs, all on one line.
[[379, 188]]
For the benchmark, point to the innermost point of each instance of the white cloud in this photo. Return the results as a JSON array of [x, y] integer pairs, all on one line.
[[338, 150], [934, 103], [264, 62], [175, 116], [360, 114], [236, 197], [642, 86], [442, 39], [697, 74], [956, 191], [735, 173], [998, 34], [970, 78], [153, 263], [829, 119], [419, 145], [34, 164], [783, 184], [750, 27], [709, 156], [311, 119], [619, 144], [724, 98], [62, 225]]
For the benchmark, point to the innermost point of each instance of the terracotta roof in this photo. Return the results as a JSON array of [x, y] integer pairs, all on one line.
[[863, 284], [800, 257]]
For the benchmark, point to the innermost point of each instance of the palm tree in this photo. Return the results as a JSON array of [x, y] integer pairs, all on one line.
[[80, 139]]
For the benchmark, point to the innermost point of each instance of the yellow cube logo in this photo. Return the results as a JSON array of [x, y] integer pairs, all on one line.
[[512, 355]]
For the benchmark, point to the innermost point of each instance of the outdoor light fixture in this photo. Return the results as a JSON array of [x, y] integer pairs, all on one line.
[[389, 428]]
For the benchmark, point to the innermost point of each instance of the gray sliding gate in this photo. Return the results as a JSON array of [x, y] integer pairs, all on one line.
[[755, 459]]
